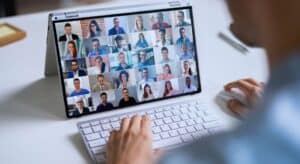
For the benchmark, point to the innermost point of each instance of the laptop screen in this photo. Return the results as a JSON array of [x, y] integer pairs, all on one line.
[[116, 61]]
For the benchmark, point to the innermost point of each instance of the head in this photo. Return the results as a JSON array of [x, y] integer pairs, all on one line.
[[167, 69], [139, 22], [116, 22], [188, 81], [100, 79], [182, 32], [147, 90], [180, 16], [145, 73], [96, 44], [75, 66], [124, 76], [143, 56], [98, 61], [76, 83], [186, 65], [94, 27], [103, 97], [160, 17], [168, 86], [165, 53], [141, 36], [122, 58], [80, 103], [162, 33], [72, 48], [119, 40], [125, 93], [68, 29]]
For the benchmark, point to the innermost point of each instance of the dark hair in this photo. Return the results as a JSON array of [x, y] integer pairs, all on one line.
[[145, 95], [125, 73], [76, 79], [167, 65], [101, 75], [118, 37], [166, 92], [95, 40], [164, 49], [98, 29], [190, 69], [162, 30], [68, 25], [103, 94], [124, 89], [145, 68], [74, 44], [99, 57], [142, 34], [181, 28], [181, 12], [74, 61]]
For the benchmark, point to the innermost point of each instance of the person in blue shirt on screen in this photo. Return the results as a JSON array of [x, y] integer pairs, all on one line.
[[185, 54], [142, 42], [183, 39], [117, 29], [97, 49], [143, 60], [122, 65], [78, 90]]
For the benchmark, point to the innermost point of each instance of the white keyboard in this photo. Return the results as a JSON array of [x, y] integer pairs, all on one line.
[[172, 125]]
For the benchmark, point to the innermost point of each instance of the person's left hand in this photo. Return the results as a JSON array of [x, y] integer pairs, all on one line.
[[132, 144]]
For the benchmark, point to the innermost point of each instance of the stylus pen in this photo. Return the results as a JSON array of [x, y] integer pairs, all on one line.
[[233, 43]]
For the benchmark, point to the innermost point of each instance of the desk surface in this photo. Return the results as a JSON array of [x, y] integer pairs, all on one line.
[[32, 122]]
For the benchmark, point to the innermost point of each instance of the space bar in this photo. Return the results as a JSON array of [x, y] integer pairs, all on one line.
[[166, 142]]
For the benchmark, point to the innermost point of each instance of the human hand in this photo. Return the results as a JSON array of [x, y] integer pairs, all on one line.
[[252, 90], [132, 144]]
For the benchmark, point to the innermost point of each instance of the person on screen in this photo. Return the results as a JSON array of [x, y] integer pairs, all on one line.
[[142, 42], [100, 66], [143, 60], [126, 100], [145, 78], [97, 49], [167, 73], [180, 19], [119, 46], [122, 65], [78, 90], [105, 105], [185, 53], [164, 41], [183, 39], [94, 28], [76, 72], [68, 36], [80, 108], [148, 94], [189, 87], [169, 90], [123, 79], [102, 84], [165, 56], [72, 51], [187, 69], [139, 24], [160, 24], [116, 29]]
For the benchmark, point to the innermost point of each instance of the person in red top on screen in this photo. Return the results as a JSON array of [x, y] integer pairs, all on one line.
[[160, 24]]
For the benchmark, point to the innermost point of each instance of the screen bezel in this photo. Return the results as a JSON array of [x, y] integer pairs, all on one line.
[[126, 14]]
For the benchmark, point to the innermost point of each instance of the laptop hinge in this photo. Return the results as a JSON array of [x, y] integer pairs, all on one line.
[[72, 14]]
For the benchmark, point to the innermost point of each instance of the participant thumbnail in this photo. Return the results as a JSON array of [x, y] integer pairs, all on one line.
[[79, 105], [92, 28], [98, 64], [145, 57], [144, 76], [126, 96], [167, 71], [124, 78], [101, 82], [121, 61], [169, 88], [75, 68], [139, 23], [117, 25], [165, 55], [78, 86], [96, 46], [181, 18], [141, 40], [160, 20], [164, 37], [188, 84], [104, 101], [188, 68]]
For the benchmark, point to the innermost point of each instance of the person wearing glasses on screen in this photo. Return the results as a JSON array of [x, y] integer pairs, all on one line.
[[97, 49], [165, 56], [139, 24], [68, 36], [94, 28], [72, 53], [160, 24], [189, 87], [78, 90], [80, 108], [117, 29], [183, 39], [185, 53], [105, 105], [187, 70], [169, 90], [164, 41], [102, 84], [143, 59], [180, 19], [122, 65], [145, 78], [126, 100], [142, 42], [76, 72], [167, 73], [148, 94], [123, 79], [119, 45]]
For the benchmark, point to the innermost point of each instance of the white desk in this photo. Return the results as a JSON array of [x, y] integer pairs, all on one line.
[[33, 128]]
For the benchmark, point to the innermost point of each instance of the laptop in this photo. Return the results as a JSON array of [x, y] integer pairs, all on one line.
[[114, 59]]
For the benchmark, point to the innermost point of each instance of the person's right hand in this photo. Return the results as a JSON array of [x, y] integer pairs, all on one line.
[[252, 90]]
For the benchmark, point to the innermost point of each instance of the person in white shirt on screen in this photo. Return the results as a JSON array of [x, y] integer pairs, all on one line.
[[165, 56], [123, 79], [187, 70], [100, 66], [185, 53], [163, 41], [145, 78], [180, 19], [169, 90], [139, 24], [68, 36], [148, 94], [119, 47], [189, 87], [72, 51]]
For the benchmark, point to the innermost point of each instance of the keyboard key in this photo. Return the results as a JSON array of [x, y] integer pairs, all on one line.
[[165, 127], [85, 125], [173, 133], [104, 121], [159, 115], [182, 124], [187, 138], [190, 129], [104, 134], [92, 136], [159, 122], [167, 114], [87, 130], [176, 118], [100, 157], [96, 143], [174, 126], [95, 123], [156, 129], [182, 131], [166, 142], [184, 117], [199, 127], [106, 126], [96, 128], [167, 120], [164, 135], [190, 122], [114, 119], [192, 115], [97, 150], [115, 125]]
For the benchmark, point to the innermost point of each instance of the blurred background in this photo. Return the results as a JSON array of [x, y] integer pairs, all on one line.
[[16, 7]]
